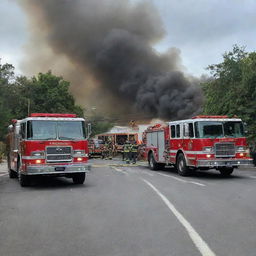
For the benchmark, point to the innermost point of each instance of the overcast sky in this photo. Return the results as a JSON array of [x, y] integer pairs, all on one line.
[[202, 30]]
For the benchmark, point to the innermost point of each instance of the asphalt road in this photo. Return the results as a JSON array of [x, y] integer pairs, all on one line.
[[130, 211]]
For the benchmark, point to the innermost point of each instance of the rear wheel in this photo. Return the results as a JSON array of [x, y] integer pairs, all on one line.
[[226, 171], [79, 178], [153, 165], [12, 174], [181, 165]]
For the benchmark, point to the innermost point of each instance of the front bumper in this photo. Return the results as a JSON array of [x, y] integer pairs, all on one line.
[[223, 162], [56, 169]]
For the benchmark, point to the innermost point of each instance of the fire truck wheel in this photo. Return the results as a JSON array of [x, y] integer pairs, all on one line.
[[12, 174], [225, 171], [78, 178], [182, 168], [23, 180], [153, 165]]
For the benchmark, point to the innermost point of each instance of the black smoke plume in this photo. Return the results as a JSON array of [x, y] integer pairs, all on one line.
[[113, 42]]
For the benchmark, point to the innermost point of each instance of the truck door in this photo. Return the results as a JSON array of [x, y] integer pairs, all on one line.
[[188, 142]]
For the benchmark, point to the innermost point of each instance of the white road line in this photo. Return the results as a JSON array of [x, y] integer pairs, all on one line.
[[150, 174], [195, 237], [197, 183], [3, 174], [253, 177], [119, 170], [181, 180]]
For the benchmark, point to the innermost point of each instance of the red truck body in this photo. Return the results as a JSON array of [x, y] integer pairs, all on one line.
[[48, 144], [202, 142], [96, 148]]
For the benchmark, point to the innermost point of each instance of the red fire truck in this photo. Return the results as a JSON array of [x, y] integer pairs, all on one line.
[[96, 148], [202, 142], [48, 144]]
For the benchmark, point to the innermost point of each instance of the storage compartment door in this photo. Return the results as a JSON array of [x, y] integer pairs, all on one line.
[[161, 146]]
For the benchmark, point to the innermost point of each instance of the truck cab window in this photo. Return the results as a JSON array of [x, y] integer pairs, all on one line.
[[178, 131], [173, 131], [191, 130], [23, 130]]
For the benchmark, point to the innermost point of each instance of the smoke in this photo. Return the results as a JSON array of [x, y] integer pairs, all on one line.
[[106, 49]]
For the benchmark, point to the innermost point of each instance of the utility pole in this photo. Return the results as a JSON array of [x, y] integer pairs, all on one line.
[[28, 107]]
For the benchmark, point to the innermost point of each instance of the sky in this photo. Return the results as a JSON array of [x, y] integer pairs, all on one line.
[[202, 30]]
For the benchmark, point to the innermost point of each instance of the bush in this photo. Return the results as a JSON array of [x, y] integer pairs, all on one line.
[[2, 151]]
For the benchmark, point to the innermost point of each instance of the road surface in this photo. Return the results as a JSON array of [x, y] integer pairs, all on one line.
[[130, 211]]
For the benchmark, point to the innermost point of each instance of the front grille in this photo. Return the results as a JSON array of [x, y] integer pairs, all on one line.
[[58, 154], [58, 150], [225, 150]]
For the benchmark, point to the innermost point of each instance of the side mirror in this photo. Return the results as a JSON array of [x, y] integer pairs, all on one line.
[[10, 128], [245, 128], [89, 130], [17, 130]]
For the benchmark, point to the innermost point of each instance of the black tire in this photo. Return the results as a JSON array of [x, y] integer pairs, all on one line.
[[79, 178], [12, 174], [153, 165], [181, 165], [226, 171], [23, 180]]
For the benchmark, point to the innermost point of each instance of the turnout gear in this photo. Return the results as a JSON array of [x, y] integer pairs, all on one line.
[[126, 152], [134, 152]]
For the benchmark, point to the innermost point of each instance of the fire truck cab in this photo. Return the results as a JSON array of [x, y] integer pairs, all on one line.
[[48, 144], [202, 142]]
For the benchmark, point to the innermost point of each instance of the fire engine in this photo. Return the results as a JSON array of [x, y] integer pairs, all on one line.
[[96, 148], [48, 144], [202, 142]]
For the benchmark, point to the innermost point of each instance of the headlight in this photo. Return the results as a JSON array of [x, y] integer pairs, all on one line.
[[240, 149], [79, 153], [38, 154], [208, 150]]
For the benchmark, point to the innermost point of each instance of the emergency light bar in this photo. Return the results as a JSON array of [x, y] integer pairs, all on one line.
[[202, 116], [51, 115]]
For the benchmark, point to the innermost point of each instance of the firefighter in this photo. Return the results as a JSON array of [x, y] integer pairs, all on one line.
[[110, 149], [126, 152], [134, 152], [104, 152]]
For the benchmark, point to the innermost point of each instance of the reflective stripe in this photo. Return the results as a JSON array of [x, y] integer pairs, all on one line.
[[31, 157], [190, 152]]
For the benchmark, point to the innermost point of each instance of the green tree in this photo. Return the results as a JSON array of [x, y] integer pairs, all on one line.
[[44, 93], [100, 124], [49, 93], [6, 82], [232, 87]]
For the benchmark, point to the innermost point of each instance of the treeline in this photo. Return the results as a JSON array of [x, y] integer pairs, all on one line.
[[44, 93], [231, 90]]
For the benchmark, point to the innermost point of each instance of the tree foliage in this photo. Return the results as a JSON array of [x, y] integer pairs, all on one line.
[[100, 125], [232, 88], [44, 93]]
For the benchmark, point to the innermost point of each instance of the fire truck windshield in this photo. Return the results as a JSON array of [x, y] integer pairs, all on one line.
[[213, 129], [55, 130]]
